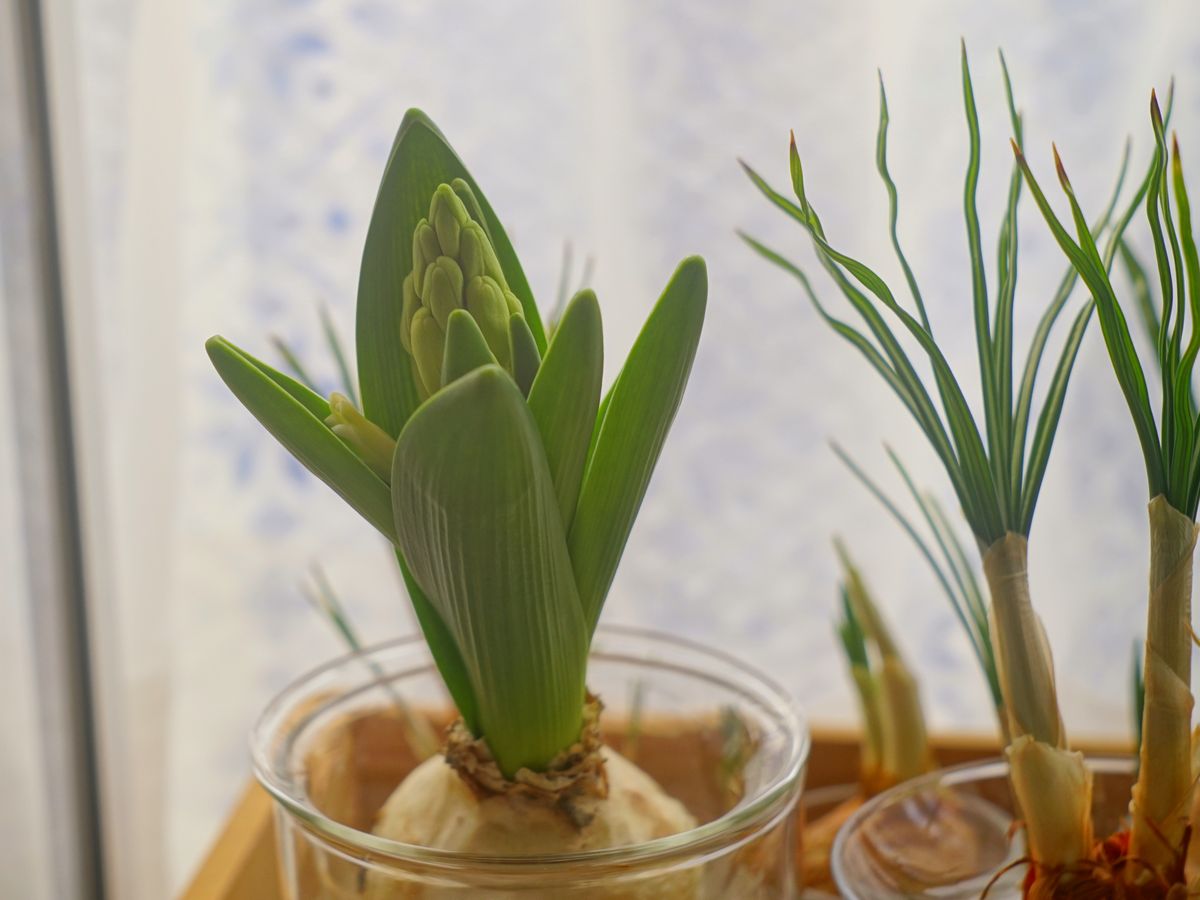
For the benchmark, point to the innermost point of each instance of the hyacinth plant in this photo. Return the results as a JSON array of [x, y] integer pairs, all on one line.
[[997, 470], [487, 457], [1170, 443]]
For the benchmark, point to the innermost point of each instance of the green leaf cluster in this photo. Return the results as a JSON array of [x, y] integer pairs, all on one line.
[[507, 485], [996, 471], [1171, 441]]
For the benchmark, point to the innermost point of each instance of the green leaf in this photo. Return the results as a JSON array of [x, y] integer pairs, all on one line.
[[565, 397], [997, 446], [421, 159], [1112, 323], [294, 416], [918, 404], [444, 650], [850, 632], [961, 609], [639, 413], [292, 361], [965, 474], [1037, 346], [1141, 289], [334, 342], [1043, 435], [466, 347], [894, 203], [526, 356], [478, 523]]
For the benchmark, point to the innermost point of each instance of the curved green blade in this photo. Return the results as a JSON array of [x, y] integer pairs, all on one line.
[[445, 653], [566, 394], [466, 347], [478, 523], [421, 159], [526, 356], [639, 411], [294, 416]]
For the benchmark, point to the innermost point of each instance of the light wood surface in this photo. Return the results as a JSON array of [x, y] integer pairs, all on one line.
[[241, 864]]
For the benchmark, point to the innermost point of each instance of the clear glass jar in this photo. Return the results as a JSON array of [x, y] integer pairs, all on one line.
[[949, 833], [711, 731]]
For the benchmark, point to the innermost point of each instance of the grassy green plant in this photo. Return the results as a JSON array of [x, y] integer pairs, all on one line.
[[507, 486], [1170, 443], [996, 471]]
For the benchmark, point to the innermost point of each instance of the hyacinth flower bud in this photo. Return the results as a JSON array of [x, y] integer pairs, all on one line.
[[454, 266], [443, 291], [514, 305], [447, 215], [425, 250], [486, 304], [478, 257], [470, 251], [411, 303], [470, 202], [428, 343], [368, 440]]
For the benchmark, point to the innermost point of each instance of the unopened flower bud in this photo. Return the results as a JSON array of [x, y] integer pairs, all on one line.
[[443, 291], [454, 267], [425, 250], [372, 444], [486, 304], [411, 303], [429, 343], [447, 215]]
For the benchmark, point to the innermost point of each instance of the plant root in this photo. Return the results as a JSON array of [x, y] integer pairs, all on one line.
[[1109, 873]]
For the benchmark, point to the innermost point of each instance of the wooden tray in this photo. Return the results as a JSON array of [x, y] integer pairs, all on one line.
[[241, 863]]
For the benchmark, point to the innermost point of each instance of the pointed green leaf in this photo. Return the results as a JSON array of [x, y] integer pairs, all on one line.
[[639, 413], [466, 348], [566, 394], [526, 356], [302, 393], [294, 416], [444, 650], [478, 523], [1047, 425], [421, 159]]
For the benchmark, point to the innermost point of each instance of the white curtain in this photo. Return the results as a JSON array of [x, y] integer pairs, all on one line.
[[26, 860], [231, 154]]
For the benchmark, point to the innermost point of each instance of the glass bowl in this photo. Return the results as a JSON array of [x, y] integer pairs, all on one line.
[[714, 733], [949, 833]]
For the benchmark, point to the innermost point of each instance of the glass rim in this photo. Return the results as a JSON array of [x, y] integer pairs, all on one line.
[[735, 826], [951, 776]]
